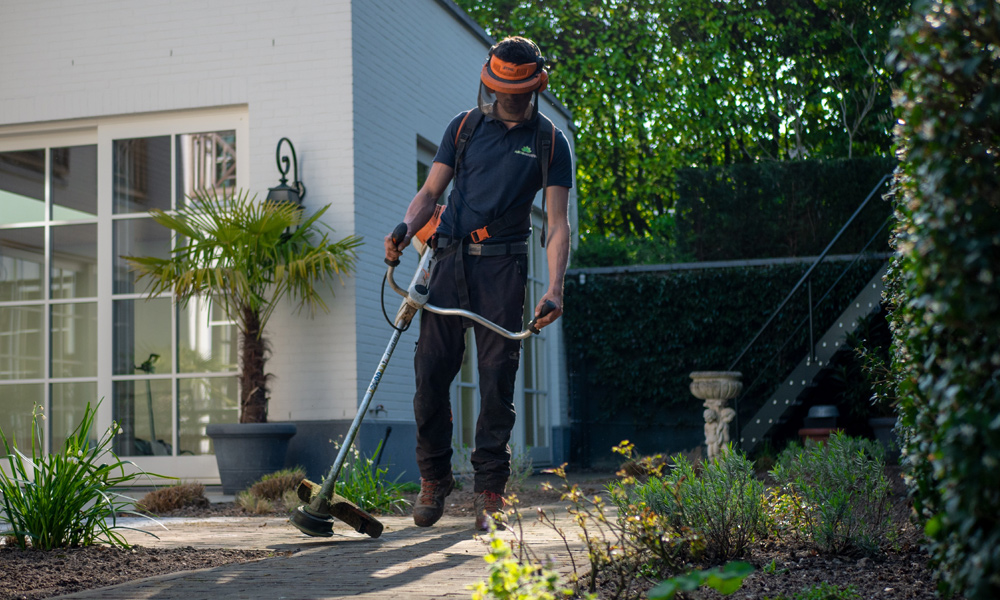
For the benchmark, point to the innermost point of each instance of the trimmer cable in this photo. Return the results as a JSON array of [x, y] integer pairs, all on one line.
[[384, 313]]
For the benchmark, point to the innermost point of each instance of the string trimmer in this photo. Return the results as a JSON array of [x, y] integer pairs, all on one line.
[[324, 505]]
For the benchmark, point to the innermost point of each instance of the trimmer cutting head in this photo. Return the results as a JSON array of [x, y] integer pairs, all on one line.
[[310, 524], [316, 518]]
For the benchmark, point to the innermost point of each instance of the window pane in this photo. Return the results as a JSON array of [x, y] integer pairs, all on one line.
[[68, 403], [21, 342], [205, 161], [74, 340], [74, 183], [143, 410], [541, 373], [22, 261], [207, 341], [22, 186], [136, 237], [141, 330], [422, 172], [74, 261], [15, 419], [141, 170], [203, 401]]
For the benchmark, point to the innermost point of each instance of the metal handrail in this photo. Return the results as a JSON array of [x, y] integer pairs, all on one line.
[[807, 274], [808, 319]]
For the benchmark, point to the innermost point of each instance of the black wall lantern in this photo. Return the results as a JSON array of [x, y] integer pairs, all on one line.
[[283, 192]]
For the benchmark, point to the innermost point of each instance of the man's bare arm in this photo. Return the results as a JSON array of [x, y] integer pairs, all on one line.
[[557, 251], [421, 208]]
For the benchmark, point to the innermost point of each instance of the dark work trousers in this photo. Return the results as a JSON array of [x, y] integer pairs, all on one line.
[[496, 291]]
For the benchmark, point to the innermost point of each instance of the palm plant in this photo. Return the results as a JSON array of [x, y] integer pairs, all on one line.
[[247, 255]]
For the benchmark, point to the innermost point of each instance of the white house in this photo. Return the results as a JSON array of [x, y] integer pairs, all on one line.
[[108, 109]]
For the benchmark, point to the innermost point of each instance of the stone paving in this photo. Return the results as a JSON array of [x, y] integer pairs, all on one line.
[[406, 562]]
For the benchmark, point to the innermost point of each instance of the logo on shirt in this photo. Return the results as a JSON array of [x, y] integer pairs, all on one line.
[[525, 151]]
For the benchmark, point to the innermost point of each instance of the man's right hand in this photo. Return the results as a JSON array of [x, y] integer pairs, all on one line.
[[394, 251]]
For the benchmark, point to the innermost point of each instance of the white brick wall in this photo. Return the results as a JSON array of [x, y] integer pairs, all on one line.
[[402, 68], [289, 64]]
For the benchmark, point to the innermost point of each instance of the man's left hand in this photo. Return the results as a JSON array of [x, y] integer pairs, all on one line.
[[552, 316]]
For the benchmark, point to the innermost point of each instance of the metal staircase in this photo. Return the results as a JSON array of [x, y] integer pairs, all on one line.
[[787, 395]]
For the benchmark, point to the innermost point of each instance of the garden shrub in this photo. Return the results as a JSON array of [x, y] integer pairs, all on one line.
[[945, 286], [365, 484], [273, 486], [723, 503], [173, 497], [255, 505], [66, 498], [521, 468], [272, 492], [843, 490], [784, 513], [623, 546], [513, 579]]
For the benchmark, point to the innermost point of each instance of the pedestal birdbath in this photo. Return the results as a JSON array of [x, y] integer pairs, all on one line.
[[716, 389]]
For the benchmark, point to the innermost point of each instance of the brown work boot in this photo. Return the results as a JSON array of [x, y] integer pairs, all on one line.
[[486, 506], [430, 503]]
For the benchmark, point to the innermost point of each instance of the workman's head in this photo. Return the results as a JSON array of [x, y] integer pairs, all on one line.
[[511, 79]]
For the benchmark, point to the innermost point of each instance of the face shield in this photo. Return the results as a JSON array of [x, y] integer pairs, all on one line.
[[509, 92]]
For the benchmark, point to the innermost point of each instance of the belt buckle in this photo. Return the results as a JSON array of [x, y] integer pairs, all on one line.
[[475, 249]]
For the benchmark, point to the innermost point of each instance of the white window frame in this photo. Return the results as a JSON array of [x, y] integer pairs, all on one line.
[[103, 132]]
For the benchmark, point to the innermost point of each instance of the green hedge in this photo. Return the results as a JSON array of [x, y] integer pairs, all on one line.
[[946, 284], [633, 339], [777, 209]]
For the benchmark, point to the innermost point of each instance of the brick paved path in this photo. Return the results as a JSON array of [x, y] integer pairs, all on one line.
[[406, 563]]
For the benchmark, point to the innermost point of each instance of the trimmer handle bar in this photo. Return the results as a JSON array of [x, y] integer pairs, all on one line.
[[416, 296]]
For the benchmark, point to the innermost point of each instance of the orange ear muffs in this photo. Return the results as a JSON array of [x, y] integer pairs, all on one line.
[[509, 78]]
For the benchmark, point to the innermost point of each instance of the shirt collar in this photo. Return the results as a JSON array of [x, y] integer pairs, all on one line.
[[532, 122]]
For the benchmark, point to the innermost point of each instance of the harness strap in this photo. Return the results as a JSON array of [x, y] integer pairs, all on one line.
[[465, 130], [543, 146], [462, 286]]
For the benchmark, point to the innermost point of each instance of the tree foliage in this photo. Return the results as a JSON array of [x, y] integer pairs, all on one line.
[[656, 85], [945, 284]]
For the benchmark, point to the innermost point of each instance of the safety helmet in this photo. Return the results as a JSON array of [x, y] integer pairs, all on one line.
[[524, 81]]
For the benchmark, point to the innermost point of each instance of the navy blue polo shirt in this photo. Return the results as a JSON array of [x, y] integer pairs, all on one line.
[[499, 172]]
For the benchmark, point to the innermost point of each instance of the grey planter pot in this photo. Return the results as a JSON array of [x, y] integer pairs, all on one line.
[[883, 429], [245, 452]]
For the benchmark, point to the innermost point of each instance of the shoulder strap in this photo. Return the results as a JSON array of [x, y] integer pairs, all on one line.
[[465, 130], [545, 144]]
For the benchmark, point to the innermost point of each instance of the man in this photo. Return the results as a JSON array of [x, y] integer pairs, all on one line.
[[481, 245]]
